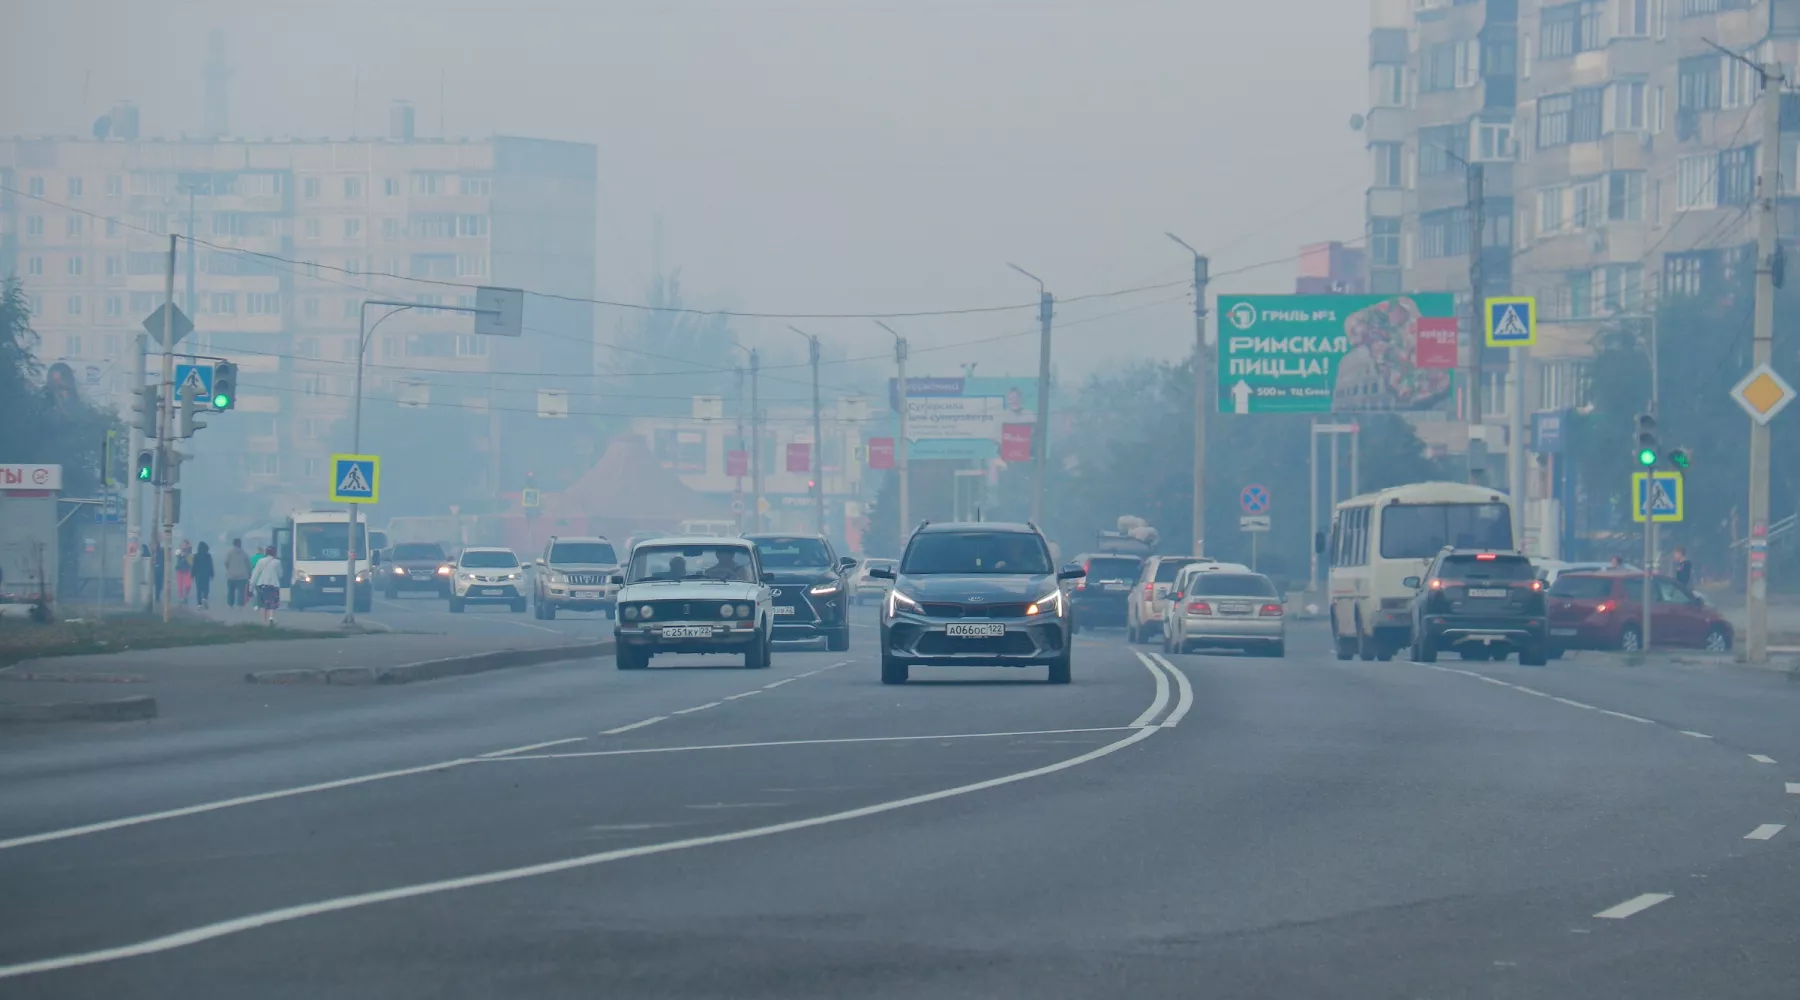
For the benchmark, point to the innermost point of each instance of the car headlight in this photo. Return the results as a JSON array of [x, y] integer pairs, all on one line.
[[551, 576], [725, 610], [362, 577], [897, 602], [630, 612], [302, 577], [399, 571], [823, 589], [466, 577], [515, 576], [743, 611], [443, 571], [647, 613], [1049, 604]]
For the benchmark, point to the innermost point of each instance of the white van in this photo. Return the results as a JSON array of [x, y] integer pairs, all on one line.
[[314, 550], [1379, 539]]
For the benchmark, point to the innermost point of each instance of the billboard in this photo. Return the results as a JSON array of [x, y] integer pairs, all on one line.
[[1335, 353], [966, 418]]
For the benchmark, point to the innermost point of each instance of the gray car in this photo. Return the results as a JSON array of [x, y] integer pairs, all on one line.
[[1227, 610]]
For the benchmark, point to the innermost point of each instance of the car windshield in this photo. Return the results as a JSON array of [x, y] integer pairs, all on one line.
[[690, 562], [1232, 585], [792, 553], [1169, 569], [1112, 568], [419, 550], [1476, 568], [1582, 587], [324, 540], [489, 559], [594, 553], [1420, 531], [976, 552]]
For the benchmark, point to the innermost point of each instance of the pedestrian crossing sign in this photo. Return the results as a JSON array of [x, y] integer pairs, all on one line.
[[1512, 321], [194, 382], [1658, 493], [355, 478]]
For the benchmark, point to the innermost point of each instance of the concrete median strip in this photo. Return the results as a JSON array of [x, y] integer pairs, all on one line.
[[111, 710], [428, 670]]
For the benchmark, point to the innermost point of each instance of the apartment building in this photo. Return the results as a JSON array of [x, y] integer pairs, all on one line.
[[297, 233]]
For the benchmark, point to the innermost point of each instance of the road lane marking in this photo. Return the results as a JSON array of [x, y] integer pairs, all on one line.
[[242, 800], [239, 925], [1622, 715], [1186, 700], [1762, 759], [1793, 788], [1636, 904], [532, 746], [1161, 700], [1572, 702], [1540, 694], [635, 751], [742, 694], [697, 708], [1492, 680], [1767, 831], [653, 720], [776, 684], [1698, 736]]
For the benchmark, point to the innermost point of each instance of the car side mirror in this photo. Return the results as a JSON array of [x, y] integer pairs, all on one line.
[[768, 578], [847, 562], [617, 579], [1411, 581], [539, 561], [1318, 541], [1176, 596], [1073, 573], [881, 573]]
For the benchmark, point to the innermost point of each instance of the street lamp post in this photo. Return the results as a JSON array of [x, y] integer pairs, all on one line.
[[818, 447], [1040, 442], [900, 351], [1202, 386]]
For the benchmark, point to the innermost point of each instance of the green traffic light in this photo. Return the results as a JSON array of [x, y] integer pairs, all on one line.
[[1647, 456], [221, 402]]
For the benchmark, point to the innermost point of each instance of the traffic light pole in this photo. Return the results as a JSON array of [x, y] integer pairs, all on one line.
[[1756, 645], [134, 493], [165, 430]]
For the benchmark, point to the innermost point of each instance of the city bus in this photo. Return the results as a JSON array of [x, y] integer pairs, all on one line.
[[1379, 539]]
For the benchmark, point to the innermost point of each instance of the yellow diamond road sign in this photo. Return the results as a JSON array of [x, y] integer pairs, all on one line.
[[1762, 394]]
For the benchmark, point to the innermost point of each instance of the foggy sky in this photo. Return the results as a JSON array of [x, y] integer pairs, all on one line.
[[814, 155]]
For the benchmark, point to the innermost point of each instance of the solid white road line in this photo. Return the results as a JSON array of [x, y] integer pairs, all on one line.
[[653, 720], [1186, 699], [1541, 694], [1622, 715], [242, 800], [1573, 703], [1492, 680], [635, 751], [224, 928], [1698, 736], [1793, 788], [776, 684], [532, 746], [697, 708], [1767, 831], [742, 694], [1161, 700], [1636, 904], [1762, 758]]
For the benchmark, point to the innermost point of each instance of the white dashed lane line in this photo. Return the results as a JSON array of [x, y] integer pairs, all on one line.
[[1793, 788], [742, 694], [697, 708], [533, 746], [653, 720], [1698, 736], [1634, 905], [1767, 831], [1762, 758]]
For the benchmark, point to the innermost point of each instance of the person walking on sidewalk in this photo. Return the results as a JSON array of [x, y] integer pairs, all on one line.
[[237, 575], [184, 571], [203, 574], [265, 581]]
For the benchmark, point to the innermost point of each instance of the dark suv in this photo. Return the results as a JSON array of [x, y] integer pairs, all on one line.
[[415, 566], [1103, 596], [1483, 605], [980, 594], [810, 586]]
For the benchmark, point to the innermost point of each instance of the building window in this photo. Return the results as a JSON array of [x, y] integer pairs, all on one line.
[[74, 225], [313, 228], [1494, 395], [1444, 233], [143, 303], [1698, 84], [112, 228], [1550, 210], [35, 187], [1384, 242], [1695, 183], [1388, 158], [115, 185], [1585, 206], [74, 305], [1436, 144], [1437, 67], [472, 225], [309, 189], [1656, 110], [74, 266], [469, 345], [309, 307], [1742, 83], [1624, 288], [1587, 111], [477, 185], [34, 225], [262, 303], [115, 306], [1387, 87], [1553, 120], [391, 229], [1737, 175], [72, 343], [224, 303], [427, 182], [1577, 295], [390, 187], [352, 308], [34, 265], [74, 187], [471, 265], [1625, 196], [353, 229], [353, 190], [1625, 109], [1494, 141], [1569, 28], [1499, 54]]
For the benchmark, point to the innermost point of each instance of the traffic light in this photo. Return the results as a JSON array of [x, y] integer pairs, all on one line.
[[1679, 458], [170, 473], [191, 409], [224, 386], [146, 467], [144, 409], [1646, 440]]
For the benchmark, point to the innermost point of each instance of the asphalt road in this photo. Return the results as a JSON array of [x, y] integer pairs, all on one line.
[[422, 612], [1220, 827]]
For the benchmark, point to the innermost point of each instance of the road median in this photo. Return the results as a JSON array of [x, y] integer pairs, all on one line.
[[433, 669]]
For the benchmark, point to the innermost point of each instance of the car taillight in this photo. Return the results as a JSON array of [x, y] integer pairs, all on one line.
[[1271, 611], [1485, 556], [1437, 584], [1537, 585], [1199, 608], [1150, 590], [1603, 607]]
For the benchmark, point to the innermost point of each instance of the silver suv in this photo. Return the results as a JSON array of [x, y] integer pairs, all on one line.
[[574, 574]]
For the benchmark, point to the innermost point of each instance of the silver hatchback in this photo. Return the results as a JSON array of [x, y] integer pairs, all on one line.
[[1227, 610]]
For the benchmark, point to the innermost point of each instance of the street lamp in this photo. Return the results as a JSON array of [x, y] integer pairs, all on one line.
[[817, 463], [1040, 443], [363, 332], [1202, 386], [900, 351]]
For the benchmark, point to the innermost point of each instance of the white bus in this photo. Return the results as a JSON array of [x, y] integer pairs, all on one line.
[[1379, 539]]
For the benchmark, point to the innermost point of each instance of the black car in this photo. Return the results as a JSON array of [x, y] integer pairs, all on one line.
[[415, 566], [1483, 605], [1103, 597], [810, 586], [977, 594]]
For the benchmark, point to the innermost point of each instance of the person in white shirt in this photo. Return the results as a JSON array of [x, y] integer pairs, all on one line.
[[265, 583]]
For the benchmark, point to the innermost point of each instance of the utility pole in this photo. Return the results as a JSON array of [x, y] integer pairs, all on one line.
[[816, 457], [756, 465], [165, 431], [1756, 648], [1040, 435], [1203, 380], [134, 493], [900, 350], [740, 440], [1477, 309]]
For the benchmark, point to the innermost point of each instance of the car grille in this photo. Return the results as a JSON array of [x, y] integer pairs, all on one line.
[[587, 579], [794, 596], [1010, 644], [974, 610], [690, 610]]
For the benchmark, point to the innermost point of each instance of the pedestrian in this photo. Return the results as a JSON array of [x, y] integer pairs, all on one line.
[[184, 571], [156, 570], [237, 575], [203, 574], [1684, 570], [265, 580]]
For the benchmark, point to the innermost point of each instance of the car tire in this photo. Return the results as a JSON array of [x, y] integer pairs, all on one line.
[[1278, 650], [1717, 640], [549, 612], [456, 605], [757, 656], [1425, 650], [1533, 656], [1630, 639], [631, 658], [1060, 668], [838, 640], [518, 606], [1365, 647], [892, 670]]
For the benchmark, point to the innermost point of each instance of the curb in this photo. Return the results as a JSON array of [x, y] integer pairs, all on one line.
[[114, 710], [428, 670]]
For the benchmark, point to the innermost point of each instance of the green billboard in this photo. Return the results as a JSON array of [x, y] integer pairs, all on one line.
[[1335, 353]]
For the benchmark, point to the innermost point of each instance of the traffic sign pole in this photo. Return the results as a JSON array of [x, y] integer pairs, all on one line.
[[1756, 647]]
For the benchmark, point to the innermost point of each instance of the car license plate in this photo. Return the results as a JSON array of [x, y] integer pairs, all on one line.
[[1487, 638], [1562, 631], [784, 609], [1117, 586], [1487, 591], [974, 631], [1235, 609], [331, 590], [492, 591], [421, 575], [687, 632], [587, 595]]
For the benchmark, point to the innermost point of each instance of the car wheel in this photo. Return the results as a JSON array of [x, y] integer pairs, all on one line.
[[757, 656], [1718, 640], [549, 612], [892, 670], [632, 658], [1532, 656], [518, 606], [839, 640], [1425, 650], [1630, 639], [456, 605], [1059, 668], [1365, 646], [1278, 650]]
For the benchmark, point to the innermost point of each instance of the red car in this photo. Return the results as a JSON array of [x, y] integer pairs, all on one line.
[[1604, 610]]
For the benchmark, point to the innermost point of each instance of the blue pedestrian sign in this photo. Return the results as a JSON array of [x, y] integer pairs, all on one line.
[[194, 382], [1254, 499], [355, 478], [1659, 493], [1511, 321]]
